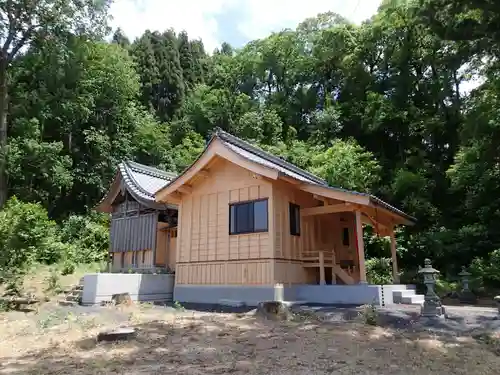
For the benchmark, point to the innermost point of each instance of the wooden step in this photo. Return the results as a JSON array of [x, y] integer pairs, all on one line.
[[343, 275]]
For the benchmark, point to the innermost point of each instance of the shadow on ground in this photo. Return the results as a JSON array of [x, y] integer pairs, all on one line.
[[203, 343]]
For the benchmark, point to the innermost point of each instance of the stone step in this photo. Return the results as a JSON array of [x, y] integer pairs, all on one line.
[[416, 299], [397, 295]]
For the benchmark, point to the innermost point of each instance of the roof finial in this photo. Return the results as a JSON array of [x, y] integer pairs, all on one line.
[[212, 133]]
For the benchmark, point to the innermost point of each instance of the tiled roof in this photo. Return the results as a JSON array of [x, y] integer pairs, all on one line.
[[143, 180], [259, 156]]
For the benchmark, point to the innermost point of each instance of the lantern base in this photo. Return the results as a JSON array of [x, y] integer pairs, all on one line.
[[432, 310]]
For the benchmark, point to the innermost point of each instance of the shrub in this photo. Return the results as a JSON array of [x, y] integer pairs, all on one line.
[[379, 271], [445, 288], [369, 314], [26, 235], [486, 271], [53, 283], [88, 237]]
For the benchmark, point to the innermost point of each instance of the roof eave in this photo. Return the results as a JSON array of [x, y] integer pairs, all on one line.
[[409, 220]]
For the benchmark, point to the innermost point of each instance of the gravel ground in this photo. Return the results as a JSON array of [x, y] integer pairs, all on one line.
[[216, 340], [459, 319]]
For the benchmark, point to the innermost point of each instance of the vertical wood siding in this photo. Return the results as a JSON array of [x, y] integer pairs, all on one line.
[[166, 242], [133, 233], [144, 260], [204, 241]]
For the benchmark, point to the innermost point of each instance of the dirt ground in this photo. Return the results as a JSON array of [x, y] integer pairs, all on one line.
[[60, 341]]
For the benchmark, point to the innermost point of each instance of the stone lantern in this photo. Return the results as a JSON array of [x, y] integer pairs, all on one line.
[[466, 295], [432, 304], [497, 301]]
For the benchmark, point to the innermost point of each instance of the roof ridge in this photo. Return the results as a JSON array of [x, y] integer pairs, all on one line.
[[148, 170], [218, 132], [127, 177]]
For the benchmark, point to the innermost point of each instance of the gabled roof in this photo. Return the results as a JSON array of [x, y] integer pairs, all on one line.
[[141, 181], [280, 168], [266, 159]]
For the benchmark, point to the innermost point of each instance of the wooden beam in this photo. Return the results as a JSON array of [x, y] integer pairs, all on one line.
[[395, 272], [322, 268], [339, 195], [203, 173], [290, 180], [330, 209], [325, 201], [361, 248], [379, 227], [185, 189]]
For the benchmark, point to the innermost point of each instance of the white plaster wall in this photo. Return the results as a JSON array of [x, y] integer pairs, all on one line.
[[100, 287]]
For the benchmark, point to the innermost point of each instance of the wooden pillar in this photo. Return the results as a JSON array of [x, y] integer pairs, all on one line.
[[334, 275], [322, 268], [361, 248], [395, 272], [272, 250]]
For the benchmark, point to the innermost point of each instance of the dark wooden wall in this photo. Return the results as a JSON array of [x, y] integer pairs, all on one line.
[[134, 233]]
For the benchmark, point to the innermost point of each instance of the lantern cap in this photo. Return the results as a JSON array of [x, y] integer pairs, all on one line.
[[428, 268], [464, 272]]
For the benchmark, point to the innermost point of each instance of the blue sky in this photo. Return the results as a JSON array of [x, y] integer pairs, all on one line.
[[232, 21]]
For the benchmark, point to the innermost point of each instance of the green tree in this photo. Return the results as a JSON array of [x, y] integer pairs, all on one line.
[[22, 23], [347, 165]]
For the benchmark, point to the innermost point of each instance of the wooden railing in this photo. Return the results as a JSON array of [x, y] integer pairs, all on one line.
[[326, 258], [314, 255]]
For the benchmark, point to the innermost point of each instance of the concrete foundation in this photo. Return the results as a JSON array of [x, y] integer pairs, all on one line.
[[359, 294], [100, 287], [228, 294]]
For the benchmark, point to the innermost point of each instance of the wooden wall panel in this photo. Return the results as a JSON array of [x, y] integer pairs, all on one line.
[[161, 244], [290, 272], [288, 246], [172, 248], [133, 232], [144, 260], [255, 272], [204, 224]]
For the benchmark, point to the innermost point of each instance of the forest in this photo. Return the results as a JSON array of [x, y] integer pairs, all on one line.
[[385, 107]]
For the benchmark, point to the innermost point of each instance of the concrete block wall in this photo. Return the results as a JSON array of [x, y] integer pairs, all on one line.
[[100, 287]]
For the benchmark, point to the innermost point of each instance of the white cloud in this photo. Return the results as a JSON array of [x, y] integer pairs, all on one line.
[[265, 16], [194, 16], [198, 17]]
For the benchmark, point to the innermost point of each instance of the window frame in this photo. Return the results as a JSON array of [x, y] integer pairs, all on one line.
[[294, 213], [344, 231], [242, 203]]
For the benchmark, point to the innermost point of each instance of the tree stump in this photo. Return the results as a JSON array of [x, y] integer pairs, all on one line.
[[121, 299], [274, 310], [117, 335]]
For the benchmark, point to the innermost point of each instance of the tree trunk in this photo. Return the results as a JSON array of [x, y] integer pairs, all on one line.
[[3, 130]]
